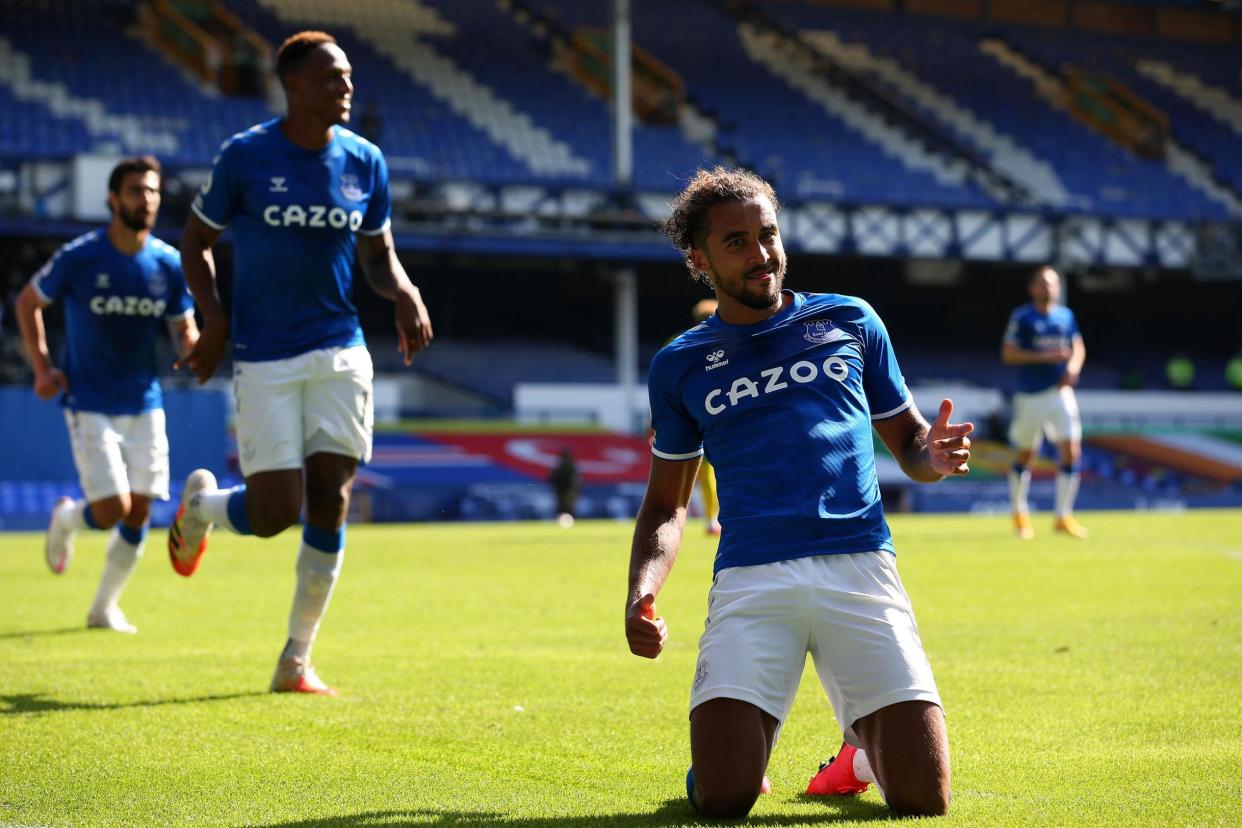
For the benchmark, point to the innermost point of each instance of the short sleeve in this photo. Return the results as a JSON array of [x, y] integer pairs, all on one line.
[[883, 383], [218, 199], [1073, 324], [180, 302], [379, 208], [51, 280], [677, 435]]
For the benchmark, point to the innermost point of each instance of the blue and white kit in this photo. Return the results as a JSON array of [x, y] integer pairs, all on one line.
[[115, 305], [294, 213], [1031, 330], [302, 374], [783, 410]]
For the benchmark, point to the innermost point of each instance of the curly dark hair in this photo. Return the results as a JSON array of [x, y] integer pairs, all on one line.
[[687, 227]]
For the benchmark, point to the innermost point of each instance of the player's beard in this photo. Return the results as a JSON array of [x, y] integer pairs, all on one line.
[[741, 291], [135, 219]]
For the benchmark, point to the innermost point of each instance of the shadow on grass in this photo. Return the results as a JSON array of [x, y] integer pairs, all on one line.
[[672, 812], [44, 633], [34, 704]]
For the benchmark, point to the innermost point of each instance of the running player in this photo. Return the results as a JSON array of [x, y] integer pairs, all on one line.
[[782, 390], [1042, 339], [296, 190], [119, 285]]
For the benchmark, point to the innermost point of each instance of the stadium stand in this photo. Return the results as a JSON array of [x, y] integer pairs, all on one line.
[[473, 91], [880, 129]]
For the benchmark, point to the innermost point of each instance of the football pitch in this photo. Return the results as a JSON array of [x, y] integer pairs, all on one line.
[[485, 681]]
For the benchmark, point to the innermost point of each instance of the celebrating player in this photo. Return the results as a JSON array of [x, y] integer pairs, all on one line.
[[296, 191], [781, 391], [119, 286], [1042, 339]]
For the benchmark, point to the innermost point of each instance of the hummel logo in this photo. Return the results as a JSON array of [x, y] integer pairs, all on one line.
[[716, 359], [102, 280], [278, 185]]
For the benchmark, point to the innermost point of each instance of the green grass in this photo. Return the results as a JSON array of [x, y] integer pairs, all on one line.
[[486, 681]]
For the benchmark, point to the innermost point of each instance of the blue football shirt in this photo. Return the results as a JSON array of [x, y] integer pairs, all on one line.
[[294, 213], [114, 306], [783, 410], [1031, 330]]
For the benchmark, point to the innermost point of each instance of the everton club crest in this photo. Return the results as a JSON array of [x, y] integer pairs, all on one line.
[[821, 332], [350, 188]]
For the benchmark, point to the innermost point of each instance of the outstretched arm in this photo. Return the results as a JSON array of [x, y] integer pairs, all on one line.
[[657, 539], [48, 379], [199, 266], [387, 277], [927, 453]]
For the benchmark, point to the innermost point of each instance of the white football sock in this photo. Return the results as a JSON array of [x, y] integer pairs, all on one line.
[[214, 506], [1067, 492], [1019, 487], [72, 516], [122, 558], [317, 575], [862, 768]]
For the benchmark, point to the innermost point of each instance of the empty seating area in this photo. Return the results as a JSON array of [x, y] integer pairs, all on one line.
[[75, 78], [470, 90], [1102, 177]]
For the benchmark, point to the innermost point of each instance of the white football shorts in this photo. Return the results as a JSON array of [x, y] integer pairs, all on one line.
[[1053, 411], [850, 612], [289, 409], [118, 454]]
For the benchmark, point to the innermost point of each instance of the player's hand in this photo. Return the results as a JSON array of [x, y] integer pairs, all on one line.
[[49, 382], [207, 353], [645, 631], [187, 338], [948, 445], [1058, 355], [413, 323]]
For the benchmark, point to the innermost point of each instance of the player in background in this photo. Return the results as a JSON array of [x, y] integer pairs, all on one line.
[[119, 286], [782, 390], [301, 194], [1043, 341]]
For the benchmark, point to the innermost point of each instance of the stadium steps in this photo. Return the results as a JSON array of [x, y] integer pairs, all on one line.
[[1179, 159], [770, 50], [1208, 117], [1034, 173], [131, 132], [397, 30], [1214, 100], [697, 126]]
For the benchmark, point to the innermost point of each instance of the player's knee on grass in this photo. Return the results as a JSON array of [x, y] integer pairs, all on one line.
[[730, 741], [907, 800], [908, 749], [722, 802]]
